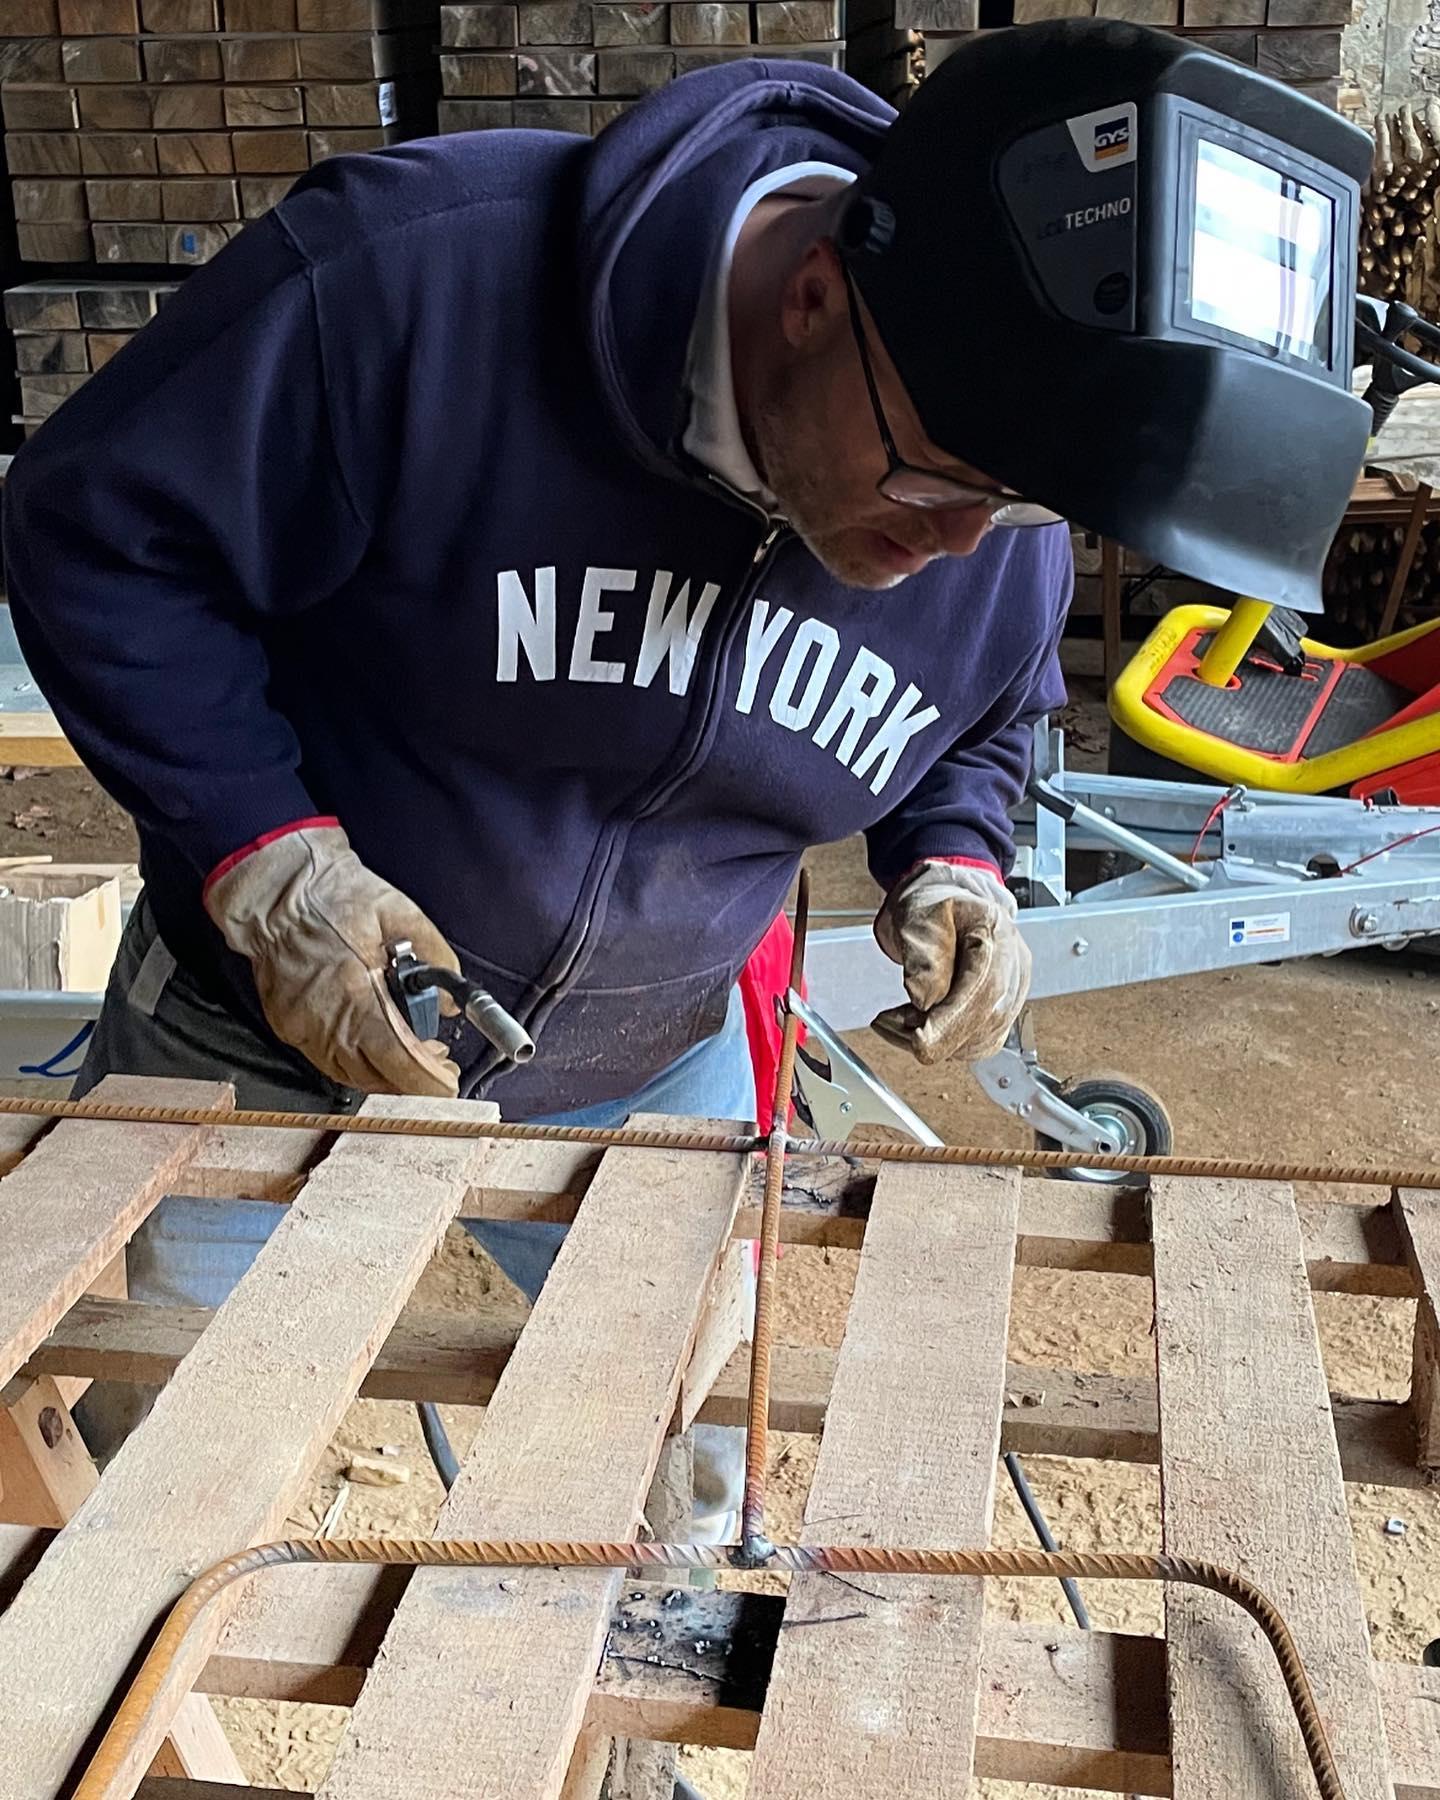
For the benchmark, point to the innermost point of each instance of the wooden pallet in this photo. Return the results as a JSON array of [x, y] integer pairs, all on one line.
[[501, 1683]]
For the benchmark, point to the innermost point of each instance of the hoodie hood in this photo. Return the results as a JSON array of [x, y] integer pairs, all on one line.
[[659, 188]]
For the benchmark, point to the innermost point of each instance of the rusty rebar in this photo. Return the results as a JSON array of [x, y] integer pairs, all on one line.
[[732, 1143], [753, 1542], [121, 1760]]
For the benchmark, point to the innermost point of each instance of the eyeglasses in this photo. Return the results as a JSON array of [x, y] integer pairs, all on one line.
[[927, 489]]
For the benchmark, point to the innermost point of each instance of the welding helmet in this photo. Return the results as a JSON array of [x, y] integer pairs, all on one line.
[[1117, 274]]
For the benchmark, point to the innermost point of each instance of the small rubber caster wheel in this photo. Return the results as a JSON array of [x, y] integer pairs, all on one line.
[[1132, 1118]]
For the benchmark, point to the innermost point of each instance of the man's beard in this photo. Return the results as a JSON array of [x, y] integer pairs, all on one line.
[[793, 463]]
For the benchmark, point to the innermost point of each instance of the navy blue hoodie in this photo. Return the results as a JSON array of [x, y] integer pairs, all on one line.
[[384, 517]]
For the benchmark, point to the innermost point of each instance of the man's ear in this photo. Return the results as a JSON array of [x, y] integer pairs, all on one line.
[[813, 295]]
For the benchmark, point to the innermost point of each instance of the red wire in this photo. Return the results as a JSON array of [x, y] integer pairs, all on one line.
[[1215, 812], [1384, 849]]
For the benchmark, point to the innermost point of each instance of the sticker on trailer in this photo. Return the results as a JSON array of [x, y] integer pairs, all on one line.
[[1260, 928]]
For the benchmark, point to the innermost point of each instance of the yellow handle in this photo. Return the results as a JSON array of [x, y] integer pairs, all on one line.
[[1231, 642]]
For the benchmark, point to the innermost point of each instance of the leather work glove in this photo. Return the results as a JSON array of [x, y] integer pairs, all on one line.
[[314, 923], [967, 968]]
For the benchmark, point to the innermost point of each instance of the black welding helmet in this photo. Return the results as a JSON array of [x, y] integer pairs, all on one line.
[[1117, 274]]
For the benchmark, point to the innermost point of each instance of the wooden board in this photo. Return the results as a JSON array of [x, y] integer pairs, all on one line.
[[230, 1441], [77, 1199], [878, 1699], [1419, 1218], [1250, 1478], [485, 1674], [457, 1359]]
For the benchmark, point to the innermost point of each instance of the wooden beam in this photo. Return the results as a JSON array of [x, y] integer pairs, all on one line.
[[456, 1359], [1250, 1478], [1419, 507], [75, 1201], [1418, 1217], [159, 1788], [47, 1477], [485, 1676], [229, 1444], [877, 1698]]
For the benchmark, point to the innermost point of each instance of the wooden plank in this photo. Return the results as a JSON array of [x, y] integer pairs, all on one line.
[[632, 22], [129, 153], [230, 1441], [458, 1358], [98, 16], [724, 1326], [1418, 1217], [194, 153], [563, 73], [270, 153], [129, 243], [156, 1788], [884, 1704], [182, 59], [263, 106], [261, 59], [38, 108], [47, 1477], [100, 59], [123, 200], [708, 22], [76, 1200], [43, 152], [47, 200], [1250, 1478], [181, 106], [556, 22], [51, 353], [1420, 506], [180, 15], [259, 15], [485, 27], [485, 1675], [45, 1470]]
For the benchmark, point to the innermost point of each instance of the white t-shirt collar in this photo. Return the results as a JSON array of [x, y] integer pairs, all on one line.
[[712, 435]]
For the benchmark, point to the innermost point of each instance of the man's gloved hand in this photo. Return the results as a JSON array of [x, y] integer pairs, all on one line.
[[967, 968], [315, 923]]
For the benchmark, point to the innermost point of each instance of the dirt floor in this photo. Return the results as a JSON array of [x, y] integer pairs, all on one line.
[[1321, 1060]]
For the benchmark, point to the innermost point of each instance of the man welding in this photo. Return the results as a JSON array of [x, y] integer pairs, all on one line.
[[527, 547]]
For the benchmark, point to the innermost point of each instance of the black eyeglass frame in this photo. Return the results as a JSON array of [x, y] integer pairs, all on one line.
[[933, 491]]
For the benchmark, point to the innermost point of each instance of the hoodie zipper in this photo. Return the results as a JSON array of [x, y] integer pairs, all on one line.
[[776, 531]]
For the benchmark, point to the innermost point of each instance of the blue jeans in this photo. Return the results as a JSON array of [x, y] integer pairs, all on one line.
[[192, 1252]]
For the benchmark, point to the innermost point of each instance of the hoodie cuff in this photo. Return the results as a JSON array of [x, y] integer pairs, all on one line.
[[236, 857], [954, 862]]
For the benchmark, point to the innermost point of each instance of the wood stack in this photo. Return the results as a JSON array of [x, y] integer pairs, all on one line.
[[1358, 576], [65, 330], [1397, 236], [568, 65], [1295, 41], [148, 131]]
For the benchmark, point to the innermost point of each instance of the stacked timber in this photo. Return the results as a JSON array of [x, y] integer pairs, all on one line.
[[1397, 235], [569, 65], [1294, 41], [149, 131], [1360, 569], [65, 330]]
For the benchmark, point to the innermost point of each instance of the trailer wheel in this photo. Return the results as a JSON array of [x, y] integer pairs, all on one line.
[[1133, 1117]]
